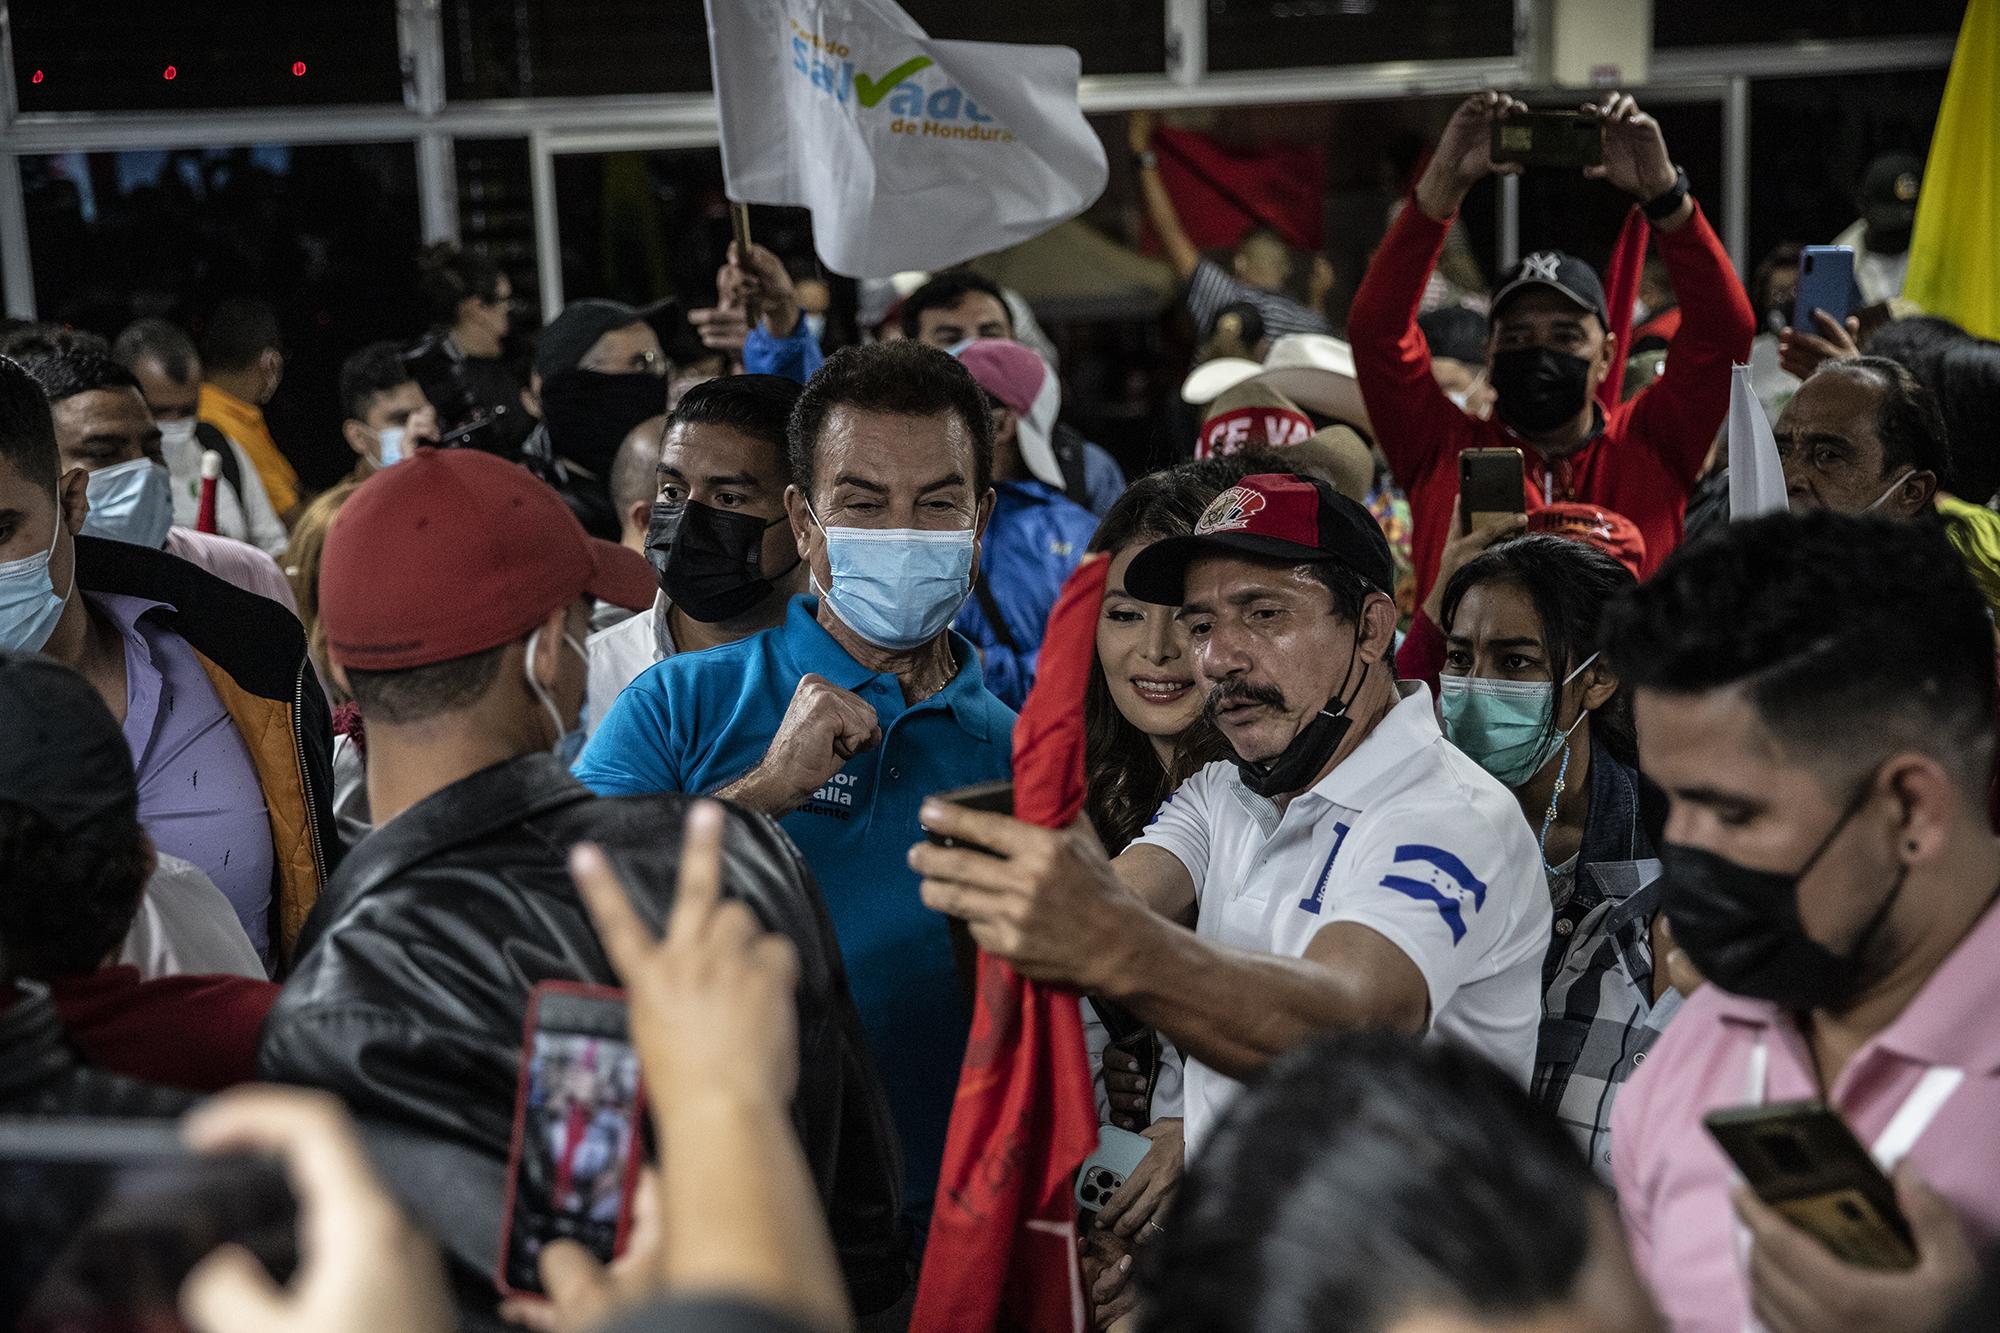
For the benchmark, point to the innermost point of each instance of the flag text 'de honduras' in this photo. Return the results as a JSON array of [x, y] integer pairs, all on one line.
[[911, 153]]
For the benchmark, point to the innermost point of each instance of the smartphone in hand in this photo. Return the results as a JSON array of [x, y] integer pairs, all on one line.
[[1490, 487], [1803, 1160], [1826, 282], [1548, 139], [574, 1163]]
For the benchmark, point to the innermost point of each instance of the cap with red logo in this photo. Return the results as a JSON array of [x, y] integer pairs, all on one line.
[[452, 552], [1612, 533], [1271, 516]]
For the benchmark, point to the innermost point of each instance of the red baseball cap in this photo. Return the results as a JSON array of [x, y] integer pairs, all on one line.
[[1610, 532], [453, 551], [1272, 516]]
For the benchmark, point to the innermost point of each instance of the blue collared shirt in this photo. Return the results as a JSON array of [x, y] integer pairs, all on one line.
[[698, 721]]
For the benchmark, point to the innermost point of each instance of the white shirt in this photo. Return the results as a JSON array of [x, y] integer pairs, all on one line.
[[1407, 837], [250, 519], [620, 655], [186, 927]]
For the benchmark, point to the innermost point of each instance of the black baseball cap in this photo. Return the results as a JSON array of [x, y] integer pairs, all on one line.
[[569, 336], [1273, 516], [1889, 190], [65, 757], [1561, 273]]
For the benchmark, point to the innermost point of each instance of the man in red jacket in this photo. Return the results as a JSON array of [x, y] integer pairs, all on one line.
[[1550, 347]]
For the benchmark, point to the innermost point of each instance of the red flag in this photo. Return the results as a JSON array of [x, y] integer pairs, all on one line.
[[1002, 1249], [1621, 289]]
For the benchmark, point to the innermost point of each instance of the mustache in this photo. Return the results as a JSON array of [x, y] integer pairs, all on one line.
[[1241, 692]]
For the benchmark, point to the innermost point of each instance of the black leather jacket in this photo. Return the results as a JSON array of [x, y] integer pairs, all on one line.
[[412, 985]]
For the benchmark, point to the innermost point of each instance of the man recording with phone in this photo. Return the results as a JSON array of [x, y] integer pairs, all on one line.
[[1346, 868], [1551, 344], [1815, 694]]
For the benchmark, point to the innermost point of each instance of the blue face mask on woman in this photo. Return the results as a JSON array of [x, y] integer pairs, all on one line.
[[131, 502], [1503, 725], [896, 587], [29, 607]]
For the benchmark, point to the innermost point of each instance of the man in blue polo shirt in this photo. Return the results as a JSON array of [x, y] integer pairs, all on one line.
[[840, 721]]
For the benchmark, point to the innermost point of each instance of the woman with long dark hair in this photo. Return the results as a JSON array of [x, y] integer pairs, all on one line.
[[1525, 695], [1143, 728]]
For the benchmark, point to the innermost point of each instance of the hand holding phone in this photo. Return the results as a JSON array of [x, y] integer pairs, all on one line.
[[1802, 1160]]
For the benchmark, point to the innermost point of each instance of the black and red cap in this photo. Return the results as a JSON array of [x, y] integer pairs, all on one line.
[[1271, 516]]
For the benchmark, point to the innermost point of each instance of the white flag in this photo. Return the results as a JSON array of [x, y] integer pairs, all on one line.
[[1756, 480], [911, 153]]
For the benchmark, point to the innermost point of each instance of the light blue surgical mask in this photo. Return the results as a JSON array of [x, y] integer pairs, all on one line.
[[131, 502], [29, 607], [569, 739], [896, 587], [1503, 725], [389, 442]]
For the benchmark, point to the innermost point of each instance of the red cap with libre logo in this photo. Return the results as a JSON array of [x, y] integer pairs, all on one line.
[[1271, 516], [451, 552], [1610, 532]]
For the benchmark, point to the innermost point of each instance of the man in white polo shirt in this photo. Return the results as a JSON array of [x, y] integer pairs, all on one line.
[[1350, 868]]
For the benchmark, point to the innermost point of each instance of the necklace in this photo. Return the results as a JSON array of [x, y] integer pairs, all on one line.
[[1549, 819]]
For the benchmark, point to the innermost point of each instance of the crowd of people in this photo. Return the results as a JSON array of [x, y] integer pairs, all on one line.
[[1438, 879]]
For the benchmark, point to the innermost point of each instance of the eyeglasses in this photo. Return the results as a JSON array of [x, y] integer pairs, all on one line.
[[639, 363]]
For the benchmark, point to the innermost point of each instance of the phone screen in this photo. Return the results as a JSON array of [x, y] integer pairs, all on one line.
[[100, 1221], [576, 1131]]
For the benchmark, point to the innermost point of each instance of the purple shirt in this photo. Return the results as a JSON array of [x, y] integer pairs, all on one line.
[[199, 797], [1674, 1182]]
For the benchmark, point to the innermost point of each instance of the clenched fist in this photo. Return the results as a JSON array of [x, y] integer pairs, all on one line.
[[824, 728]]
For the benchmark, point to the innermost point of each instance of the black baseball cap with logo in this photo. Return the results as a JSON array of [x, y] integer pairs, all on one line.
[[1271, 516], [1563, 274]]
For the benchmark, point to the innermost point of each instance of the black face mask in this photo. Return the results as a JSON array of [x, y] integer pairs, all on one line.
[[1741, 927], [1537, 389], [590, 413], [1293, 767], [709, 561]]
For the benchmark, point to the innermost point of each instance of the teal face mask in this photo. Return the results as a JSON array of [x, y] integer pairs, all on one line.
[[1503, 725]]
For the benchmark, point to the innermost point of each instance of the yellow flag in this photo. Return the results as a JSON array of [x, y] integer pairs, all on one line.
[[1954, 254]]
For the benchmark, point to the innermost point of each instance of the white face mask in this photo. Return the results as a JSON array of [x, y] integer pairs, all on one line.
[[177, 434], [389, 445], [1894, 486], [569, 739]]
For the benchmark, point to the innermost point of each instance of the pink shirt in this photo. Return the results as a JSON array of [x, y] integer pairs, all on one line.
[[233, 562], [1674, 1182]]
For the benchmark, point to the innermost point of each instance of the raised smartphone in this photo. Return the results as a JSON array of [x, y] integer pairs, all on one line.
[[1548, 139], [1803, 1160], [574, 1162], [1490, 488], [1826, 282]]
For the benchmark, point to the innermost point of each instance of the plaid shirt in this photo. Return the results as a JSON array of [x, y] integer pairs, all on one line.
[[1598, 1015]]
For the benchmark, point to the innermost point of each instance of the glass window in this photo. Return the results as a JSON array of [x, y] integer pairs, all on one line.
[[1285, 34], [563, 48], [114, 236], [1796, 20], [1112, 36], [1811, 141], [496, 212], [573, 48], [115, 55]]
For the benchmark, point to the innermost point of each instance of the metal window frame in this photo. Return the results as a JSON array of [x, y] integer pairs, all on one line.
[[431, 124]]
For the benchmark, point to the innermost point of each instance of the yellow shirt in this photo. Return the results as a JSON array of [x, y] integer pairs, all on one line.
[[244, 423], [1974, 530]]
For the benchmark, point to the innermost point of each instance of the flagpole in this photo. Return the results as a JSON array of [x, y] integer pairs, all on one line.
[[739, 223]]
